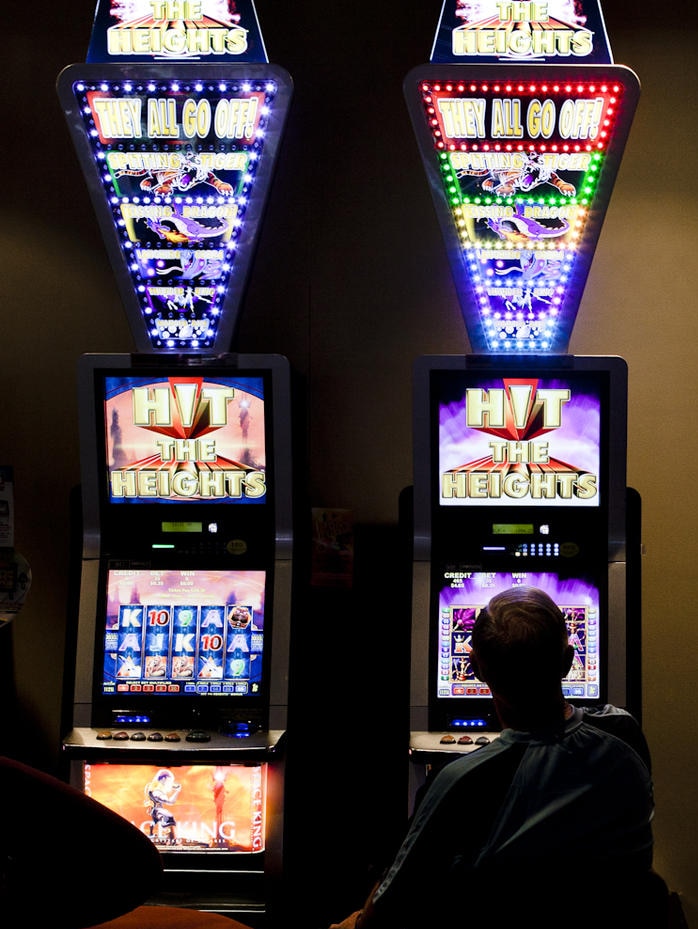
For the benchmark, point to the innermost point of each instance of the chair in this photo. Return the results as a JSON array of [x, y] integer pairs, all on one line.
[[572, 896], [103, 869], [170, 917]]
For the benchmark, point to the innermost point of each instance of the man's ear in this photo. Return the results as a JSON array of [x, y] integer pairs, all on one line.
[[567, 659], [475, 667]]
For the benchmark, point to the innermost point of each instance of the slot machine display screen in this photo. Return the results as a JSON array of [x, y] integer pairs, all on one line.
[[514, 439], [463, 593], [182, 438], [210, 808], [175, 632], [520, 439], [186, 458]]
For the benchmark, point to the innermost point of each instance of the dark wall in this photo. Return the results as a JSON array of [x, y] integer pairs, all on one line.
[[351, 283]]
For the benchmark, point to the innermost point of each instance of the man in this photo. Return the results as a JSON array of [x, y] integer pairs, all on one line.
[[550, 823]]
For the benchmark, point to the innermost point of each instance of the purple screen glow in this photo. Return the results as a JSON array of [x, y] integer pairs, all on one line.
[[464, 593], [523, 441]]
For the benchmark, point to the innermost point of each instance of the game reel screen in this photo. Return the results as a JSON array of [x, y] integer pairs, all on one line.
[[174, 632], [463, 593]]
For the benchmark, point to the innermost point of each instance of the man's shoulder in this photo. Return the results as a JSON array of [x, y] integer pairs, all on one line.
[[484, 772], [501, 754], [609, 718], [620, 724], [607, 711]]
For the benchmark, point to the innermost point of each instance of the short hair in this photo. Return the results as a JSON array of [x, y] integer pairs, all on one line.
[[519, 639]]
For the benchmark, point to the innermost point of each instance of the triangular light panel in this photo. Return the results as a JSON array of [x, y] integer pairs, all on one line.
[[177, 135], [521, 158]]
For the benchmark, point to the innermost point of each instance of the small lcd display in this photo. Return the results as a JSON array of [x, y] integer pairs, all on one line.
[[512, 529], [187, 808], [183, 632], [189, 526], [464, 593]]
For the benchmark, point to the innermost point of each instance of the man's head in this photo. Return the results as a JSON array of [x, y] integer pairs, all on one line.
[[520, 646]]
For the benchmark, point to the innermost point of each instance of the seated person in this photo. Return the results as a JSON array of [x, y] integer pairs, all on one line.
[[66, 861], [543, 823]]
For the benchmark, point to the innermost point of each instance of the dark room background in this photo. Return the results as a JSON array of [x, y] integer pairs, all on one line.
[[351, 283]]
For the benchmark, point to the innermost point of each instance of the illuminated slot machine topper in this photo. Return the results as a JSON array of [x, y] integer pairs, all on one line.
[[521, 120], [515, 441], [176, 119]]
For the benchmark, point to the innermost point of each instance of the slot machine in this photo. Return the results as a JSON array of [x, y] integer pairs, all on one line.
[[520, 117], [183, 629], [520, 480], [178, 712]]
